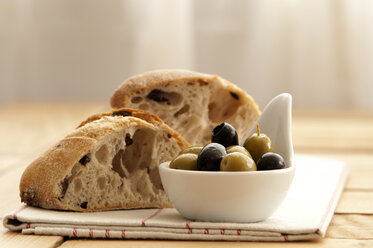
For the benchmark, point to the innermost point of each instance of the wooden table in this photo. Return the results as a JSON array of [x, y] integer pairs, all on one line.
[[28, 129]]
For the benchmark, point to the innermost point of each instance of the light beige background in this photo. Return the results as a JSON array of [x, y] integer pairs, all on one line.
[[321, 51]]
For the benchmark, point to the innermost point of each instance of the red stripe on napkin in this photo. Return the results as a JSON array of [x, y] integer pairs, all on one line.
[[334, 195], [19, 210], [189, 229], [151, 216]]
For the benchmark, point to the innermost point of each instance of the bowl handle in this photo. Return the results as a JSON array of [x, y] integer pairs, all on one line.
[[276, 122]]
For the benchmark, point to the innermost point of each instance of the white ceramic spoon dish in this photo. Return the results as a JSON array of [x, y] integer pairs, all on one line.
[[237, 196]]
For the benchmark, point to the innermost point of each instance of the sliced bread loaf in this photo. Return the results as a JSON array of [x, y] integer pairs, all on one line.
[[191, 103], [109, 162]]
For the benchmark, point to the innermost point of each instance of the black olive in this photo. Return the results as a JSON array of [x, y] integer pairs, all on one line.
[[225, 134], [270, 161], [128, 140], [121, 113], [235, 96], [83, 205], [64, 185], [84, 160], [210, 157], [158, 96]]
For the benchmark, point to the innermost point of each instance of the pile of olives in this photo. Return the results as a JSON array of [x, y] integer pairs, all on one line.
[[224, 153]]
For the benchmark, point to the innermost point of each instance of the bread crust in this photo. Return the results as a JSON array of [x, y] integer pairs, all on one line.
[[163, 79], [141, 114], [42, 182], [152, 79], [144, 115], [38, 186]]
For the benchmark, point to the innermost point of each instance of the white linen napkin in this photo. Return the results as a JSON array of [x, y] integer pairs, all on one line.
[[304, 215]]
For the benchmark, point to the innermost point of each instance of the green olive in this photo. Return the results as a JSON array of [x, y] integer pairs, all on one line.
[[258, 144], [187, 161], [192, 149], [237, 161], [240, 149]]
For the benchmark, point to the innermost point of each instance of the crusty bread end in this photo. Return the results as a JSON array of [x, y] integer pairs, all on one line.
[[109, 162]]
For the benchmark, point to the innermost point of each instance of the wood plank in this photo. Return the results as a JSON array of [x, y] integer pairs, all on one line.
[[354, 230], [47, 123], [310, 131], [9, 190], [346, 227], [26, 131], [45, 119], [361, 171], [356, 202], [9, 184], [18, 240], [333, 133], [9, 193], [334, 113], [360, 178], [330, 243], [26, 126], [351, 226], [33, 128], [347, 204], [7, 161]]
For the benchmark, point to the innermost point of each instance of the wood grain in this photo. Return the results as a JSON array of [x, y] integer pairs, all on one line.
[[25, 128], [351, 226], [330, 243], [356, 202], [18, 240], [9, 190], [28, 129], [333, 133]]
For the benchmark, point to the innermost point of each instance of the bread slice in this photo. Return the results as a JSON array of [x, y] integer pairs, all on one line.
[[189, 102], [109, 162]]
